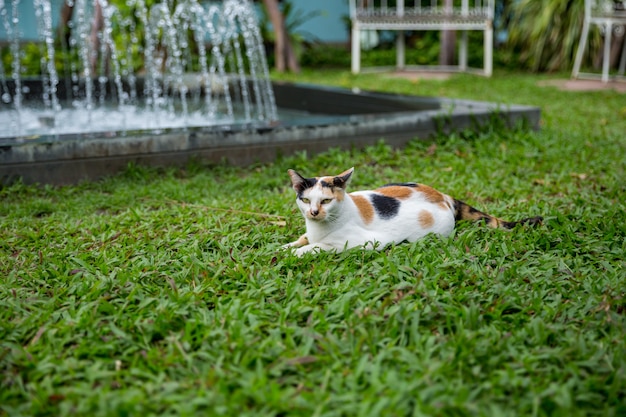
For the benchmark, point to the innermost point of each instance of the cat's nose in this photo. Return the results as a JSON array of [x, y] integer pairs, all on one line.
[[314, 212]]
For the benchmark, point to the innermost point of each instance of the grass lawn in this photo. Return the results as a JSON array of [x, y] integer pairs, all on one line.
[[162, 292]]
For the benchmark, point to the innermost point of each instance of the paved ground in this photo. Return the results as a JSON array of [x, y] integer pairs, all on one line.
[[585, 85], [562, 84], [423, 75]]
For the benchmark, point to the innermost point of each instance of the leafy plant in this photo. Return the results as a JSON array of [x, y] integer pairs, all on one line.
[[546, 33]]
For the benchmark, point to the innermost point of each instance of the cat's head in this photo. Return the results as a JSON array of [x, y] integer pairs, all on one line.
[[319, 198]]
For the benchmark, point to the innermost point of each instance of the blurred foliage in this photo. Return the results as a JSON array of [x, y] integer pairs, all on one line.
[[544, 34], [31, 59]]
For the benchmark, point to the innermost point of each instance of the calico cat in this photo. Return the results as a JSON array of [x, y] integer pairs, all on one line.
[[337, 220]]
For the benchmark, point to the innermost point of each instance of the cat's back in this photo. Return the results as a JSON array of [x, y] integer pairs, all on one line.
[[393, 201], [406, 192]]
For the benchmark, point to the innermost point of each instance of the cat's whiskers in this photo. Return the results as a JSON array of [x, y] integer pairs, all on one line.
[[331, 217]]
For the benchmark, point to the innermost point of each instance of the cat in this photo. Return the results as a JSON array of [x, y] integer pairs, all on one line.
[[394, 213]]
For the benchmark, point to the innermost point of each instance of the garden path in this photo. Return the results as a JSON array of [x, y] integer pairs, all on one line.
[[562, 84]]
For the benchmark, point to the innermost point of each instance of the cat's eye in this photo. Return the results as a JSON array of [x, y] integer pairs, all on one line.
[[327, 200], [305, 200]]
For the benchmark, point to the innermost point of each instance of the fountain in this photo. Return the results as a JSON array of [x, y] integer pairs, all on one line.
[[183, 85], [163, 82]]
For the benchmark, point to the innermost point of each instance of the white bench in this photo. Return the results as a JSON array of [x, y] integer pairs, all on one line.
[[411, 15]]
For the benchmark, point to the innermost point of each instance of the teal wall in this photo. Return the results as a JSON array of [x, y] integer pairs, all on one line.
[[27, 26], [326, 25]]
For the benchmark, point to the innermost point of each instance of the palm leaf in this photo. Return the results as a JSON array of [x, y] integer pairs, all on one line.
[[546, 33]]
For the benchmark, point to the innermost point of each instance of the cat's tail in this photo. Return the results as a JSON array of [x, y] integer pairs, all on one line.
[[463, 211]]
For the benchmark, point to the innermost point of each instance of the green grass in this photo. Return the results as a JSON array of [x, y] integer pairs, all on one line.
[[164, 291]]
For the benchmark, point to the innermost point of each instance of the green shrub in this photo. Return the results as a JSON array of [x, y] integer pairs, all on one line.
[[545, 33]]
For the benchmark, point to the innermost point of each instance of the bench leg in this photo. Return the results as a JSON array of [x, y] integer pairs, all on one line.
[[463, 52], [400, 51], [356, 48], [489, 50]]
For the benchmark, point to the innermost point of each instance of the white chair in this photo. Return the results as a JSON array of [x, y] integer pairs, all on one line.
[[609, 15]]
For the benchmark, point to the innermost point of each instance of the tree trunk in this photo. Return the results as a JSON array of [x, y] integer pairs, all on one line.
[[448, 40], [446, 53], [96, 26], [284, 55], [64, 30], [615, 54], [617, 46]]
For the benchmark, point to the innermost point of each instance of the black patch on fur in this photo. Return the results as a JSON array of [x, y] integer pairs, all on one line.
[[386, 207], [305, 184], [531, 221], [338, 182], [401, 184], [458, 210], [342, 180], [463, 211]]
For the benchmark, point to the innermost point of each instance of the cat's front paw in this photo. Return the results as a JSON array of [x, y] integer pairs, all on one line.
[[302, 241], [314, 248], [296, 249], [305, 249]]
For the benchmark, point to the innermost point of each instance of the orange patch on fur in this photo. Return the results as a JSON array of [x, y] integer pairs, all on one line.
[[432, 195], [445, 205], [339, 194], [365, 208], [425, 219], [396, 191]]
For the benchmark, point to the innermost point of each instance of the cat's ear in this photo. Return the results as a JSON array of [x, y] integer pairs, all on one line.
[[342, 179], [299, 183]]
